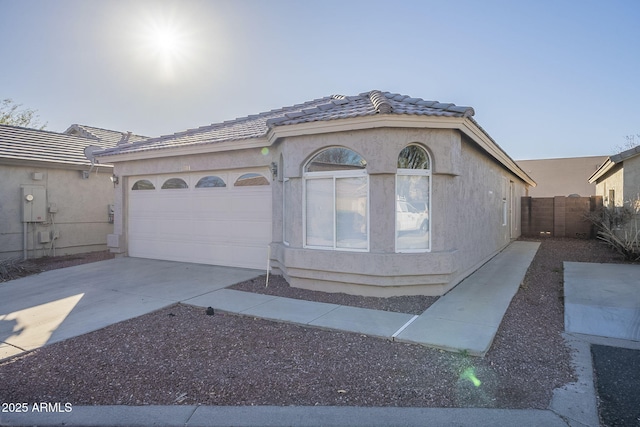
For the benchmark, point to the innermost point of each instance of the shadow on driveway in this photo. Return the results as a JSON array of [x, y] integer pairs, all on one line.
[[60, 304]]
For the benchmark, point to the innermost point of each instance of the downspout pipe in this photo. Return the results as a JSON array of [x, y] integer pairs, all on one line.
[[24, 241]]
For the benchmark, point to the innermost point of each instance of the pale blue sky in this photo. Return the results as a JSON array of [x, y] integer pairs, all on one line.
[[546, 78]]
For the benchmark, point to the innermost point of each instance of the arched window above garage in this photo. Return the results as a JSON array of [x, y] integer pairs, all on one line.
[[174, 183], [143, 184], [210, 181], [251, 179]]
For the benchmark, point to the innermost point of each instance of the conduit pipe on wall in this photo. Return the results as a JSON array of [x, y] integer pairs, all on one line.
[[24, 241]]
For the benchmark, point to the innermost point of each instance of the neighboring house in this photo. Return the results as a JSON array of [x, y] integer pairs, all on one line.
[[374, 194], [617, 179], [563, 176], [52, 201]]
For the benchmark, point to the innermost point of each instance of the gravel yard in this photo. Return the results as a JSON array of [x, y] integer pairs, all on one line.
[[179, 355]]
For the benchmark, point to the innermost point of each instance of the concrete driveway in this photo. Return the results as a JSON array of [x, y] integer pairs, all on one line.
[[60, 304], [602, 299]]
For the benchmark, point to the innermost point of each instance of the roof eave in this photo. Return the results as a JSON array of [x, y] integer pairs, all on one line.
[[196, 149], [463, 124], [604, 168], [38, 163]]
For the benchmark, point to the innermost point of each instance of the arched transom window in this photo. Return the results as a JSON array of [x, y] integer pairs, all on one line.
[[413, 195], [336, 201]]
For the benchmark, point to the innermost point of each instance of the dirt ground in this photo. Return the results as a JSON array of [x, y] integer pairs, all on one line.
[[180, 355]]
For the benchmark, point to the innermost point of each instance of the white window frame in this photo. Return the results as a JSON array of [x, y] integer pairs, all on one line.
[[284, 211], [413, 172], [357, 173], [505, 214]]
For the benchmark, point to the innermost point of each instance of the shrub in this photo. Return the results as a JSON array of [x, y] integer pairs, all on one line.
[[13, 268], [619, 227]]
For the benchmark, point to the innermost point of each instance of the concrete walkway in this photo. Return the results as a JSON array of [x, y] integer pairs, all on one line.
[[59, 304], [465, 319], [300, 416]]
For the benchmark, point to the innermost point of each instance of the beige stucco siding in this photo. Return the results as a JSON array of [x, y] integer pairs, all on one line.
[[81, 219], [466, 213], [632, 180], [563, 176], [613, 180]]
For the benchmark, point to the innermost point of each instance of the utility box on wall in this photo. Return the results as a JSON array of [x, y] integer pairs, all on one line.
[[34, 203]]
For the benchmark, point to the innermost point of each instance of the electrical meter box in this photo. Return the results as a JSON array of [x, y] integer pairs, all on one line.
[[34, 203]]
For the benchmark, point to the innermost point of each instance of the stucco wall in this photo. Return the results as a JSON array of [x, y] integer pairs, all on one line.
[[613, 180], [466, 214], [632, 180], [81, 219], [466, 210], [563, 176]]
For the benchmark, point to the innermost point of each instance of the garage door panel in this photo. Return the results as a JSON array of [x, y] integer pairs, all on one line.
[[253, 231], [219, 225]]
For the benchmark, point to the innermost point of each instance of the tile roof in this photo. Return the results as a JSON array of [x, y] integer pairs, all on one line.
[[24, 144], [610, 162], [109, 138], [323, 109]]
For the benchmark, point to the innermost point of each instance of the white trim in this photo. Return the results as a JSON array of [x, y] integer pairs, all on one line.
[[413, 172], [284, 211], [465, 125], [201, 148], [307, 176]]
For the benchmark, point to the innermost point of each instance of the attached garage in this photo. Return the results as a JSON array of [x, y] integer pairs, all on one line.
[[375, 194], [215, 217]]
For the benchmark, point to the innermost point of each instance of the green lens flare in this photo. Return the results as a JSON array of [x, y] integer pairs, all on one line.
[[265, 151], [470, 375]]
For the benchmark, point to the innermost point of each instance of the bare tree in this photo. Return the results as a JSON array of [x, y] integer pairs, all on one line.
[[12, 114], [631, 142]]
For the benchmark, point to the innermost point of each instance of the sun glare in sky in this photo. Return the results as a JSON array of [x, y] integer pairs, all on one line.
[[165, 43]]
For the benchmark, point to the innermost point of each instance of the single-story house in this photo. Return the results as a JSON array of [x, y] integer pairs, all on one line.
[[52, 200], [617, 179], [562, 176], [374, 194]]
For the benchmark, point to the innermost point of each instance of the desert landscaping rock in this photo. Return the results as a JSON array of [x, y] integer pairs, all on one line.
[[180, 356]]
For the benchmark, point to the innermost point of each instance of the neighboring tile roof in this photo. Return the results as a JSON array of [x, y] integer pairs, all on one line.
[[24, 144], [610, 162], [322, 109], [109, 138]]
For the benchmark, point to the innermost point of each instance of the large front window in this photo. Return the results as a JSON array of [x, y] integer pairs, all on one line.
[[337, 201], [413, 188]]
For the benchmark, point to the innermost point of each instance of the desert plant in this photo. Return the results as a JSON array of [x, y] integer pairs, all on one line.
[[13, 268], [619, 227]]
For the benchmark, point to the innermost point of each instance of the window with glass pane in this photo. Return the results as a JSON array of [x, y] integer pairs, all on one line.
[[413, 184], [351, 213], [174, 183], [335, 159], [210, 181], [336, 194], [320, 211], [413, 157], [143, 184], [251, 179]]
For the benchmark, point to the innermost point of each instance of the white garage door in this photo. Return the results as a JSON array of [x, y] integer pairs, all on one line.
[[220, 218]]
